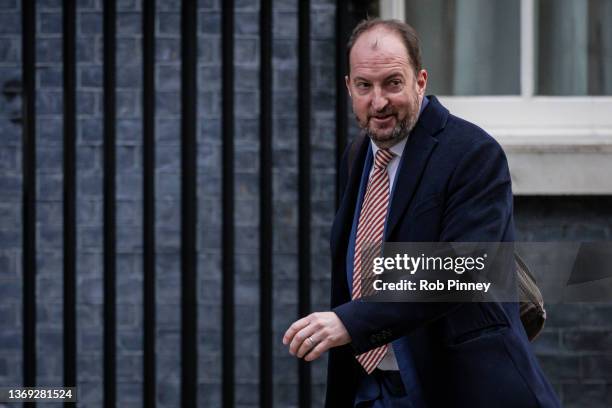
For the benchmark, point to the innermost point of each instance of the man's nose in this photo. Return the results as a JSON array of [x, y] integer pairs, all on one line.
[[379, 100]]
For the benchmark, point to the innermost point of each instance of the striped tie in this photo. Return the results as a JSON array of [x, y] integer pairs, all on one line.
[[369, 239]]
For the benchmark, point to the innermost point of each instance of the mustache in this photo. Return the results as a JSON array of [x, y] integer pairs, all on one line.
[[383, 113]]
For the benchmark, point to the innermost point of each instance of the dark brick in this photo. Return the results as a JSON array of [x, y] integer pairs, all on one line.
[[50, 23], [49, 102], [285, 79], [8, 266], [131, 75], [285, 105], [167, 103], [169, 23], [560, 367], [209, 104], [10, 50], [168, 240], [128, 103], [247, 78], [89, 157], [90, 238], [127, 158], [325, 21], [128, 5], [10, 23], [10, 186], [89, 131], [8, 158], [129, 368], [208, 4], [50, 77], [169, 77], [209, 50], [49, 236], [129, 23], [588, 340], [49, 159], [210, 23], [129, 50], [8, 4], [129, 131], [597, 366], [323, 53], [247, 318], [167, 49], [169, 5], [578, 315], [49, 186], [87, 103], [246, 51], [49, 4], [89, 184], [130, 341], [90, 23], [285, 25], [8, 315], [587, 395], [88, 49], [246, 23]]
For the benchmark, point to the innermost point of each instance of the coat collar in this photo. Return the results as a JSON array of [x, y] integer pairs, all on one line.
[[417, 152]]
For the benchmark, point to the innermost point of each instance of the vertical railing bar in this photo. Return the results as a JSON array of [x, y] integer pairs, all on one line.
[[227, 39], [148, 231], [110, 329], [29, 193], [265, 206], [341, 93], [69, 193], [189, 356], [304, 374]]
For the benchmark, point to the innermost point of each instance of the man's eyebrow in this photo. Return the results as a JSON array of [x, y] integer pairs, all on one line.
[[394, 74], [388, 77]]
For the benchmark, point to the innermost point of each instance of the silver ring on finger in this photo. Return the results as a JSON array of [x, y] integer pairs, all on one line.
[[312, 342]]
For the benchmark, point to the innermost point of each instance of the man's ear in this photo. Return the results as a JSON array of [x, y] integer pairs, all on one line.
[[421, 81], [347, 82]]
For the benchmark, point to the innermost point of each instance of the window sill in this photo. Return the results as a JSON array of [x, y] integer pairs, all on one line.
[[555, 146]]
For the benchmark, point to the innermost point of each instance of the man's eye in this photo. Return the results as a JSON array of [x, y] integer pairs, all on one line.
[[396, 82], [363, 85]]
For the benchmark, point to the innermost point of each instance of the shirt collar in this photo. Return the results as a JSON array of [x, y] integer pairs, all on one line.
[[398, 148]]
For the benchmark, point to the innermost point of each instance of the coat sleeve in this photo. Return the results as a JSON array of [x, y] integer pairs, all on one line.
[[478, 208]]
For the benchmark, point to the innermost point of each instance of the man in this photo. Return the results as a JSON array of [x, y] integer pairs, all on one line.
[[422, 175]]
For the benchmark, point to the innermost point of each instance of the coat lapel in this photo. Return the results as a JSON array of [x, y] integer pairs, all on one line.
[[417, 152]]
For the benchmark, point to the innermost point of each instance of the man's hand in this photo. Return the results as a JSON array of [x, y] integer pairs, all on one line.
[[315, 334]]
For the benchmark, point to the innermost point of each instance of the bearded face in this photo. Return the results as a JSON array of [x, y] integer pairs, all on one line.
[[385, 89]]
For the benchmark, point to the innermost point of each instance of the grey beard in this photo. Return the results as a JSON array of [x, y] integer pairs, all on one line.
[[400, 132]]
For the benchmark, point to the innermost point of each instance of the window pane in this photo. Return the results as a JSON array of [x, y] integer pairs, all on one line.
[[575, 47], [470, 47]]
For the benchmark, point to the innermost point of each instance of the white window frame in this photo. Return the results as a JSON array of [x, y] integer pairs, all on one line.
[[579, 128]]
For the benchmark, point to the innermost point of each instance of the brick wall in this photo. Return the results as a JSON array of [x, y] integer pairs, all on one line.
[[129, 195], [575, 349]]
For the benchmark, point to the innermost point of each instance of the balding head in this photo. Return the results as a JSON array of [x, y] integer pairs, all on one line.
[[406, 34]]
